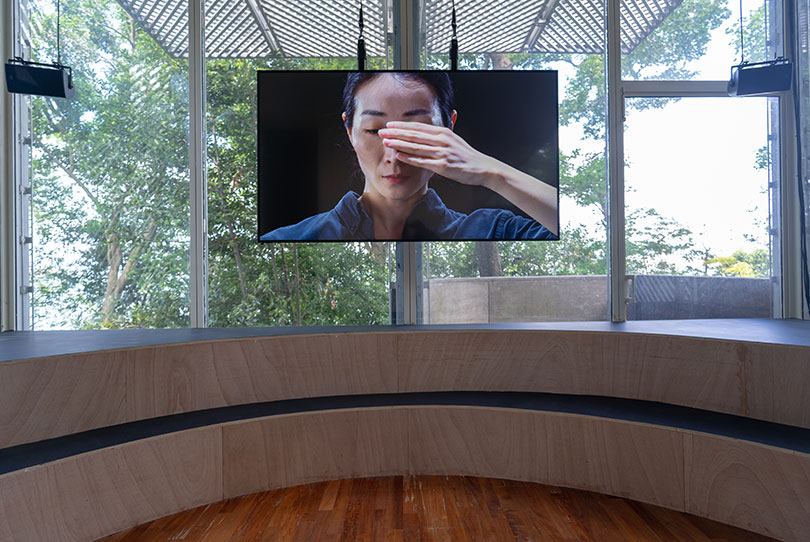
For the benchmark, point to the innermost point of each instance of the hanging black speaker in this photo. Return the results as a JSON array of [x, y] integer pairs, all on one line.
[[756, 78], [28, 77], [25, 77]]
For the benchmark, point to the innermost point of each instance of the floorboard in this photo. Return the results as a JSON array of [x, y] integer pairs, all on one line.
[[432, 508]]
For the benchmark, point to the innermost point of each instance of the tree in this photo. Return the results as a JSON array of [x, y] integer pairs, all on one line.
[[111, 182], [110, 173], [665, 54], [111, 194], [274, 284], [742, 264]]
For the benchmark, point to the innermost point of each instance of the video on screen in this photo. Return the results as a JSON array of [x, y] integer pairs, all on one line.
[[407, 156]]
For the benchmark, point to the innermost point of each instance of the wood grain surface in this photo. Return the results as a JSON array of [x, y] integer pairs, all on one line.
[[432, 508], [698, 373], [777, 379], [283, 451], [91, 495], [615, 457], [49, 397], [749, 485]]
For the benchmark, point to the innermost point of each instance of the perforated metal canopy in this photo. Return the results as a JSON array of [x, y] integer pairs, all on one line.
[[323, 28]]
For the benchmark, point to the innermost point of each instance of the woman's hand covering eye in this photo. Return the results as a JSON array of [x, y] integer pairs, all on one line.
[[439, 149]]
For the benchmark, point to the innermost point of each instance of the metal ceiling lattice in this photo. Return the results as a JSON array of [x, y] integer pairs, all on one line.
[[323, 28], [541, 26]]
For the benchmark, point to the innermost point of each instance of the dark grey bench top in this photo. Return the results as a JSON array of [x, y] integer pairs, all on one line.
[[31, 344], [677, 417]]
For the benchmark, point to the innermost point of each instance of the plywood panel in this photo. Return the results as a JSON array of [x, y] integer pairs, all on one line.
[[28, 509], [699, 373], [172, 379], [95, 494], [778, 383], [273, 368], [194, 376], [758, 488], [740, 483], [295, 449], [637, 461], [629, 460], [47, 397], [477, 441]]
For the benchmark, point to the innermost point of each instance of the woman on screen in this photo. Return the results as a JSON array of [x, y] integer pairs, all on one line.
[[401, 128]]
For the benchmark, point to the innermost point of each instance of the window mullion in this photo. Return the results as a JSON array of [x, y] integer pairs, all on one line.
[[198, 266], [408, 297], [615, 128]]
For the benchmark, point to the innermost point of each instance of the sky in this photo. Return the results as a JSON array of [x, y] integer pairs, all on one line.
[[693, 160]]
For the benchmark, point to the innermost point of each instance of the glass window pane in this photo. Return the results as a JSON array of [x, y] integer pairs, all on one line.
[[252, 283], [563, 280], [698, 207], [109, 173], [696, 39]]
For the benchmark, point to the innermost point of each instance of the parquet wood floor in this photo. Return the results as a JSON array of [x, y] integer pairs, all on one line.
[[432, 508]]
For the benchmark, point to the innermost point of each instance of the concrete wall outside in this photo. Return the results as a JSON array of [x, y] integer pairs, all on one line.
[[580, 298]]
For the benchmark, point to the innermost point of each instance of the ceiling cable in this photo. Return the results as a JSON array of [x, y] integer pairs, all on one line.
[[742, 36], [453, 41], [361, 44]]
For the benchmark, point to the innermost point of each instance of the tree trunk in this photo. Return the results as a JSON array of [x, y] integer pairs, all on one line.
[[378, 252], [117, 277], [489, 261], [501, 61], [297, 285], [238, 259], [286, 272], [276, 285]]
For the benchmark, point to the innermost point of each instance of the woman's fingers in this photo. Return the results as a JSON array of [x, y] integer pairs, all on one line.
[[435, 148], [418, 126], [414, 136], [432, 164], [417, 149]]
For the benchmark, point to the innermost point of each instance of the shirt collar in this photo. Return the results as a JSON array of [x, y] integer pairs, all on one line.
[[428, 217]]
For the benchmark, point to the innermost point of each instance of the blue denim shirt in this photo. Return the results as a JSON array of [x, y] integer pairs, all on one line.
[[429, 220]]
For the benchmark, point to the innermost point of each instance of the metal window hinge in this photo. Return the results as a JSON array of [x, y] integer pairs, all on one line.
[[25, 240], [25, 140], [25, 190], [26, 290]]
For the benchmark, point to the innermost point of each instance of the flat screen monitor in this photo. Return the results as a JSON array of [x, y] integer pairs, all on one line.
[[407, 155]]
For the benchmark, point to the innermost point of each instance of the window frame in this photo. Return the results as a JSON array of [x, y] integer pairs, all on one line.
[[15, 257]]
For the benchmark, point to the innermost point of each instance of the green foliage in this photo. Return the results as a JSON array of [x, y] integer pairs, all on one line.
[[742, 264], [681, 38], [659, 245], [755, 36], [110, 174], [762, 158], [110, 181], [111, 201], [265, 284]]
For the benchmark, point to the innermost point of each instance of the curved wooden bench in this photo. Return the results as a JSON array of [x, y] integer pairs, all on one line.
[[47, 397], [87, 496], [763, 488]]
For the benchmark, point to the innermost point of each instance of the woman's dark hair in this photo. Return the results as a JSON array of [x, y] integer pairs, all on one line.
[[438, 81]]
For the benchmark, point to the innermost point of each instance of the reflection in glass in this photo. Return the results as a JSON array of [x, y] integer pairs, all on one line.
[[253, 284]]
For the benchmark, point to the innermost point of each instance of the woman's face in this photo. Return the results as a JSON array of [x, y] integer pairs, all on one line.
[[386, 98]]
